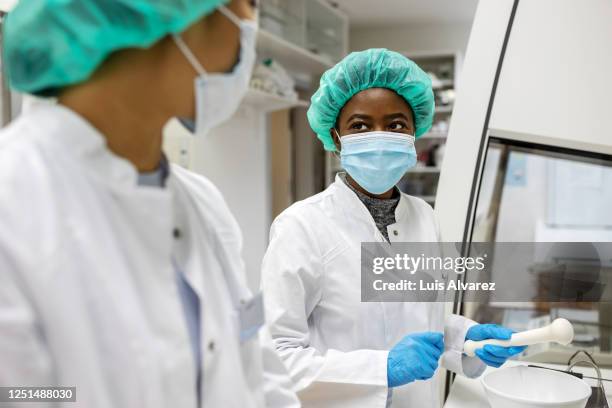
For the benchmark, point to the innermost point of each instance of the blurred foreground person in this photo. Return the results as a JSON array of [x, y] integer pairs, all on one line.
[[119, 273]]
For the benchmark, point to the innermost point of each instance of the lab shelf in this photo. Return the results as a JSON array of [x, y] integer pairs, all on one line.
[[425, 169], [444, 109], [289, 55], [444, 83], [432, 135], [269, 103]]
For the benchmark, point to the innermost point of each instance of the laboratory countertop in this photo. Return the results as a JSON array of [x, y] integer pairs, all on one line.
[[469, 393]]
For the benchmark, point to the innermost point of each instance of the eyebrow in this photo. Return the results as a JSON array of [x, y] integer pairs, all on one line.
[[396, 115], [358, 116], [368, 117]]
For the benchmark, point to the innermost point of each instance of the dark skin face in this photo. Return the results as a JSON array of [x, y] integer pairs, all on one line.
[[374, 109]]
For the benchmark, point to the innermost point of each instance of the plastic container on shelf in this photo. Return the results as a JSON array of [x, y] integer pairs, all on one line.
[[285, 19], [326, 31], [270, 76]]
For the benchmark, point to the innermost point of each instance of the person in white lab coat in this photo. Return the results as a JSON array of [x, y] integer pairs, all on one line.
[[121, 275], [339, 351]]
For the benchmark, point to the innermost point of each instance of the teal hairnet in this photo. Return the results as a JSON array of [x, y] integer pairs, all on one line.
[[53, 43], [373, 68]]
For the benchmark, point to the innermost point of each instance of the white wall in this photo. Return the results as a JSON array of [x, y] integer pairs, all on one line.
[[235, 157], [412, 37], [523, 206]]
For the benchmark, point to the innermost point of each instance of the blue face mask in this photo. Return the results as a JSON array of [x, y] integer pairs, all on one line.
[[377, 160]]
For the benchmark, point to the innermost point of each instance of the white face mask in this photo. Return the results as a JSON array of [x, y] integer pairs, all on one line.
[[218, 95]]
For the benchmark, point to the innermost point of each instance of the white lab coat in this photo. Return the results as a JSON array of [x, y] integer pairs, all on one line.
[[88, 296], [334, 345]]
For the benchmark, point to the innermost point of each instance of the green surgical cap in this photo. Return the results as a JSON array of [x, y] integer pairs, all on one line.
[[373, 68], [53, 43]]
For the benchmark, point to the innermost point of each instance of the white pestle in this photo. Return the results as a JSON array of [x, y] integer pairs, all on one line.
[[559, 331]]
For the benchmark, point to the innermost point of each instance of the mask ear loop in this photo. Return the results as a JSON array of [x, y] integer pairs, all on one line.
[[336, 152], [230, 15], [189, 55], [237, 20]]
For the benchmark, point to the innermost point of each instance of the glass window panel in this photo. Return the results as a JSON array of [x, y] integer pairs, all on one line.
[[534, 193]]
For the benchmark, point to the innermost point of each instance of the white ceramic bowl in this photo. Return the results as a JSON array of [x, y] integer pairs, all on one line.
[[529, 387]]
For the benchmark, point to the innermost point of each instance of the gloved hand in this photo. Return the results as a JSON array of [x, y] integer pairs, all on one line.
[[415, 357], [491, 355]]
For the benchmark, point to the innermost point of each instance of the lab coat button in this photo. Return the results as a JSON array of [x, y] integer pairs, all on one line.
[[211, 346], [395, 233], [176, 233]]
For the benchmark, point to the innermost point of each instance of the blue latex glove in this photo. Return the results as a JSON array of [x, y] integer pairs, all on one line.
[[494, 356], [415, 357]]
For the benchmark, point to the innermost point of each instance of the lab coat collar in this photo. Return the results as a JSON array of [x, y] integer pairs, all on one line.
[[63, 128], [401, 211], [352, 207]]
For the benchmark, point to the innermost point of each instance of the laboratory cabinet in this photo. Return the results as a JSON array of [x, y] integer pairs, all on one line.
[[313, 25]]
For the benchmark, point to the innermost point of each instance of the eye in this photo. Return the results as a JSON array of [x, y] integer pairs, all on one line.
[[361, 126], [395, 126]]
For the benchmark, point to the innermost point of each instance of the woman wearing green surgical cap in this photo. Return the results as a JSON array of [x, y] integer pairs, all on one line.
[[121, 274], [342, 352]]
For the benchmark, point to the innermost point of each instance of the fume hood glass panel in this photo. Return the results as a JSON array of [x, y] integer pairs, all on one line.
[[534, 193]]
